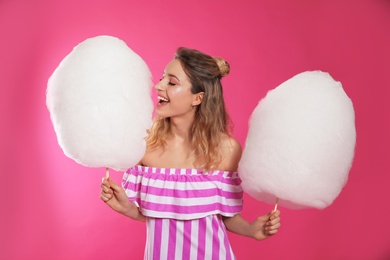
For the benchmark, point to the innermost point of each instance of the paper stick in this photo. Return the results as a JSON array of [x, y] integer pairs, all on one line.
[[276, 205]]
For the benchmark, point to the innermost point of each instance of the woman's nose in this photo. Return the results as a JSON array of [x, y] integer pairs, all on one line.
[[159, 85]]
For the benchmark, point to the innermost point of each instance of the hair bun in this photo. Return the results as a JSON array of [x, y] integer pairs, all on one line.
[[224, 67]]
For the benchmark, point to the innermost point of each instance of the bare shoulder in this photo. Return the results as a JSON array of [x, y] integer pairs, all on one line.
[[231, 153]]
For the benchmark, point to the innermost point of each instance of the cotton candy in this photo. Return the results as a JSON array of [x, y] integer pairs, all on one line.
[[100, 104], [300, 143]]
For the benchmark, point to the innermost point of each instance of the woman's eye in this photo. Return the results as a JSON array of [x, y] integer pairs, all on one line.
[[171, 83]]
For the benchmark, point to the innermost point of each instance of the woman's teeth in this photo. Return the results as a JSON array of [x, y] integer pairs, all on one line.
[[162, 99]]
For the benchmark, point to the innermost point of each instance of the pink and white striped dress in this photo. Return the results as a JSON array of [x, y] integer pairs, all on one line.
[[184, 209]]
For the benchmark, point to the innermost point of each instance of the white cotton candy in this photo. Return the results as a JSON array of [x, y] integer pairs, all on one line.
[[100, 104], [300, 143]]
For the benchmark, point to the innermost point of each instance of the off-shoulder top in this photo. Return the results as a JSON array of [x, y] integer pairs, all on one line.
[[183, 193]]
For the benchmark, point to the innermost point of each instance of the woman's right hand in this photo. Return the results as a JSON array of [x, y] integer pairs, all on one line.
[[115, 197]]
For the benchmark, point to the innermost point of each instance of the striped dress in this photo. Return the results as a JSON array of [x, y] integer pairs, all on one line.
[[184, 209]]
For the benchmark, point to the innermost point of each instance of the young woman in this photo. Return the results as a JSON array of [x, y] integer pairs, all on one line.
[[186, 186]]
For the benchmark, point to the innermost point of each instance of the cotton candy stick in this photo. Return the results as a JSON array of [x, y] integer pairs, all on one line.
[[276, 205]]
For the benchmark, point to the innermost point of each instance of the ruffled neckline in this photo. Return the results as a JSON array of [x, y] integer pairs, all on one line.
[[151, 169]]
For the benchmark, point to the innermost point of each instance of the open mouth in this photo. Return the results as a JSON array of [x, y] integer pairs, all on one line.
[[162, 100]]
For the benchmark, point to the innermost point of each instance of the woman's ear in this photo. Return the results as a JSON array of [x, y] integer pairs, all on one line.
[[198, 97]]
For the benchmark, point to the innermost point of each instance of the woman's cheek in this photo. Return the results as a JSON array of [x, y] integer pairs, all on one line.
[[176, 92]]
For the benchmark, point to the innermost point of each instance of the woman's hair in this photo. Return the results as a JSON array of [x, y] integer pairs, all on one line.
[[211, 118]]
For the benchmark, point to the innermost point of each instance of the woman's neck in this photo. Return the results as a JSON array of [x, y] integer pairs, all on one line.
[[181, 126]]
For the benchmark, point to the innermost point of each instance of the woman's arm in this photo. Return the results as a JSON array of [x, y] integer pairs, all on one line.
[[115, 197], [262, 228]]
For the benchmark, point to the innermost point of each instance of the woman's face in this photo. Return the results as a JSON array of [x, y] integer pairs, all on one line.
[[174, 92]]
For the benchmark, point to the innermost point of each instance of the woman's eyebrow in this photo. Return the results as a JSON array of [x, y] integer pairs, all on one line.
[[173, 76]]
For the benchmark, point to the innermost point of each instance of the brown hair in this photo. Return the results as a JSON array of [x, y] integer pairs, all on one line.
[[211, 119]]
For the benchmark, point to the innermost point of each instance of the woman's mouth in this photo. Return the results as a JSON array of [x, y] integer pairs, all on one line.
[[162, 100]]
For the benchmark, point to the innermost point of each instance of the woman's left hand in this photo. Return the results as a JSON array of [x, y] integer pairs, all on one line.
[[265, 226]]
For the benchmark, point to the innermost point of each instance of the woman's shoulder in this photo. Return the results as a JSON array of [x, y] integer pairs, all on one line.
[[230, 145], [231, 152]]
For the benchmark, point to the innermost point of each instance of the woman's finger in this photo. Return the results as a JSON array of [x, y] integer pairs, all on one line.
[[273, 226], [271, 232], [106, 189], [273, 221], [275, 214], [103, 198]]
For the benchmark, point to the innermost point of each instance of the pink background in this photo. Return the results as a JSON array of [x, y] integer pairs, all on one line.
[[50, 204]]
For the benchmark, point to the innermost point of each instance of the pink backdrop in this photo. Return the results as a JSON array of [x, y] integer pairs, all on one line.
[[50, 204]]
